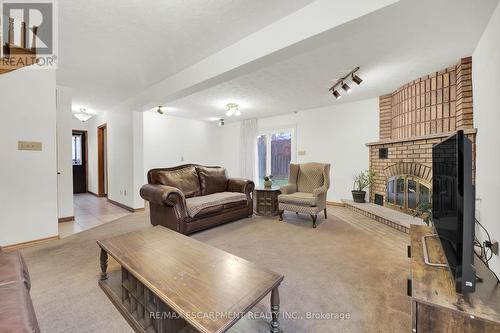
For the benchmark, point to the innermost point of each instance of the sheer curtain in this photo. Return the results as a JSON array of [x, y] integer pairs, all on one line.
[[247, 148]]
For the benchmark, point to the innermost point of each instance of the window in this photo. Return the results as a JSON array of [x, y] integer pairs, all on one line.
[[76, 147], [275, 152]]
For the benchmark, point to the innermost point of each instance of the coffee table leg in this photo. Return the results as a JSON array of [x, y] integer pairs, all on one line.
[[275, 308], [104, 264]]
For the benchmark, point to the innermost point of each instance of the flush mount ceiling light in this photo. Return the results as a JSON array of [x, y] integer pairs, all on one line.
[[82, 115], [232, 109], [221, 122], [342, 83]]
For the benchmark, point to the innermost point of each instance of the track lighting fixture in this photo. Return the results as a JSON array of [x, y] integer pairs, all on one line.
[[159, 110], [356, 79], [342, 83], [221, 122], [346, 87]]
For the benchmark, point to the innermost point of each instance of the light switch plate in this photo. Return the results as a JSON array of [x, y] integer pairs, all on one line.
[[301, 152], [29, 145]]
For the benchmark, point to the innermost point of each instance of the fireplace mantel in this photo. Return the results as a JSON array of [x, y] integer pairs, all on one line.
[[418, 138]]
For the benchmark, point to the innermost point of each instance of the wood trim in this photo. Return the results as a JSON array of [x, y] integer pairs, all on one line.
[[100, 160], [130, 209], [66, 219], [23, 245], [335, 203]]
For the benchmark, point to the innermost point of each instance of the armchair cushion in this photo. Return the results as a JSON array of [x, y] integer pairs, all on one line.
[[195, 205], [185, 179], [298, 198], [212, 179]]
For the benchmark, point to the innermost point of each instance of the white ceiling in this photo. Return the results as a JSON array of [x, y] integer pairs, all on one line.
[[109, 50], [393, 46]]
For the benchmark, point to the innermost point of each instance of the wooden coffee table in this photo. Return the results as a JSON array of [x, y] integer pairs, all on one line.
[[169, 282]]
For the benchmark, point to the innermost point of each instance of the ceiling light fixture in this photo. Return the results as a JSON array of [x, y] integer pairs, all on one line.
[[346, 87], [356, 79], [232, 109], [342, 83], [159, 110], [82, 115], [221, 122]]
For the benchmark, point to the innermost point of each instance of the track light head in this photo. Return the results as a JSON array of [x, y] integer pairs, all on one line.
[[159, 110], [221, 122], [356, 79], [337, 94], [346, 87]]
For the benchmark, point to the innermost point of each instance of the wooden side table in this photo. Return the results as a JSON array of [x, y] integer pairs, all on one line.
[[266, 200]]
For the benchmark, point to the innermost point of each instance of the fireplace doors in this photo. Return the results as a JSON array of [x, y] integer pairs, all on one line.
[[407, 192]]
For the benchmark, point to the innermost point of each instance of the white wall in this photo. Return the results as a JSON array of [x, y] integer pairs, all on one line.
[[486, 71], [333, 134], [170, 141], [28, 191], [64, 164]]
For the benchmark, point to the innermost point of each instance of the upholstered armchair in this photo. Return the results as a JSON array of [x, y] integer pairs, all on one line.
[[306, 190]]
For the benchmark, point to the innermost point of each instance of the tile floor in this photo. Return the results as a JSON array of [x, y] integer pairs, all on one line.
[[90, 211]]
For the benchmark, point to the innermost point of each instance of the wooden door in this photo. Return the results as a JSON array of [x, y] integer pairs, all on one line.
[[79, 159]]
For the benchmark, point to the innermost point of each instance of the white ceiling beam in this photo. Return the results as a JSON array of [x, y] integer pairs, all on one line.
[[256, 50]]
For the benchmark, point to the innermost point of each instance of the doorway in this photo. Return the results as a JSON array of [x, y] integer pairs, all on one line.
[[102, 160], [79, 159]]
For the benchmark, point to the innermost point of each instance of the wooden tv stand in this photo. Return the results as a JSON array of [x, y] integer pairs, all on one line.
[[436, 306]]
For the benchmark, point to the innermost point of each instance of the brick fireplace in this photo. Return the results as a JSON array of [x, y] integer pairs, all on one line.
[[413, 119]]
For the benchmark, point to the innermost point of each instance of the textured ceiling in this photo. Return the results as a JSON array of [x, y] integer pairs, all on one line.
[[111, 49], [393, 46]]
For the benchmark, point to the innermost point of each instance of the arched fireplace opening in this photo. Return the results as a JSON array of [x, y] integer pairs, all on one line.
[[406, 192]]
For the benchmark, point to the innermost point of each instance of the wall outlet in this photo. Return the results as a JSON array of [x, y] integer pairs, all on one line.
[[29, 145]]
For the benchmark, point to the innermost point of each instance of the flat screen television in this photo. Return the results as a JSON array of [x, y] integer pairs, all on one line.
[[453, 207]]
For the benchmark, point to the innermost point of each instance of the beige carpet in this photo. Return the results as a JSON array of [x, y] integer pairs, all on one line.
[[336, 268]]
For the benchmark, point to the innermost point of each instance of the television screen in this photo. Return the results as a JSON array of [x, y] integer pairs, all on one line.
[[453, 206]]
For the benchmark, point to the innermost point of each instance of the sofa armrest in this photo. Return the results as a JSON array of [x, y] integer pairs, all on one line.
[[163, 195], [288, 189], [240, 185]]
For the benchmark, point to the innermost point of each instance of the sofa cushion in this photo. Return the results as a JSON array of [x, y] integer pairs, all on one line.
[[195, 205], [299, 198], [185, 179], [212, 179]]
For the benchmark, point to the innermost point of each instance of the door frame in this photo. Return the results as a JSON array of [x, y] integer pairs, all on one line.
[[85, 134], [101, 159]]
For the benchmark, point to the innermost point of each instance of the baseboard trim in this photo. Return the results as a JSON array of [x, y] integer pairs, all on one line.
[[130, 209], [23, 245], [65, 219], [336, 203], [90, 192]]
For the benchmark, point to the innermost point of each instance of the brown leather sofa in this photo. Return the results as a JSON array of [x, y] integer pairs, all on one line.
[[16, 309], [191, 197]]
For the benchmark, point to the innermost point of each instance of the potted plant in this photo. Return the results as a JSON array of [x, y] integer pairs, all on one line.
[[424, 211], [268, 183], [361, 181]]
